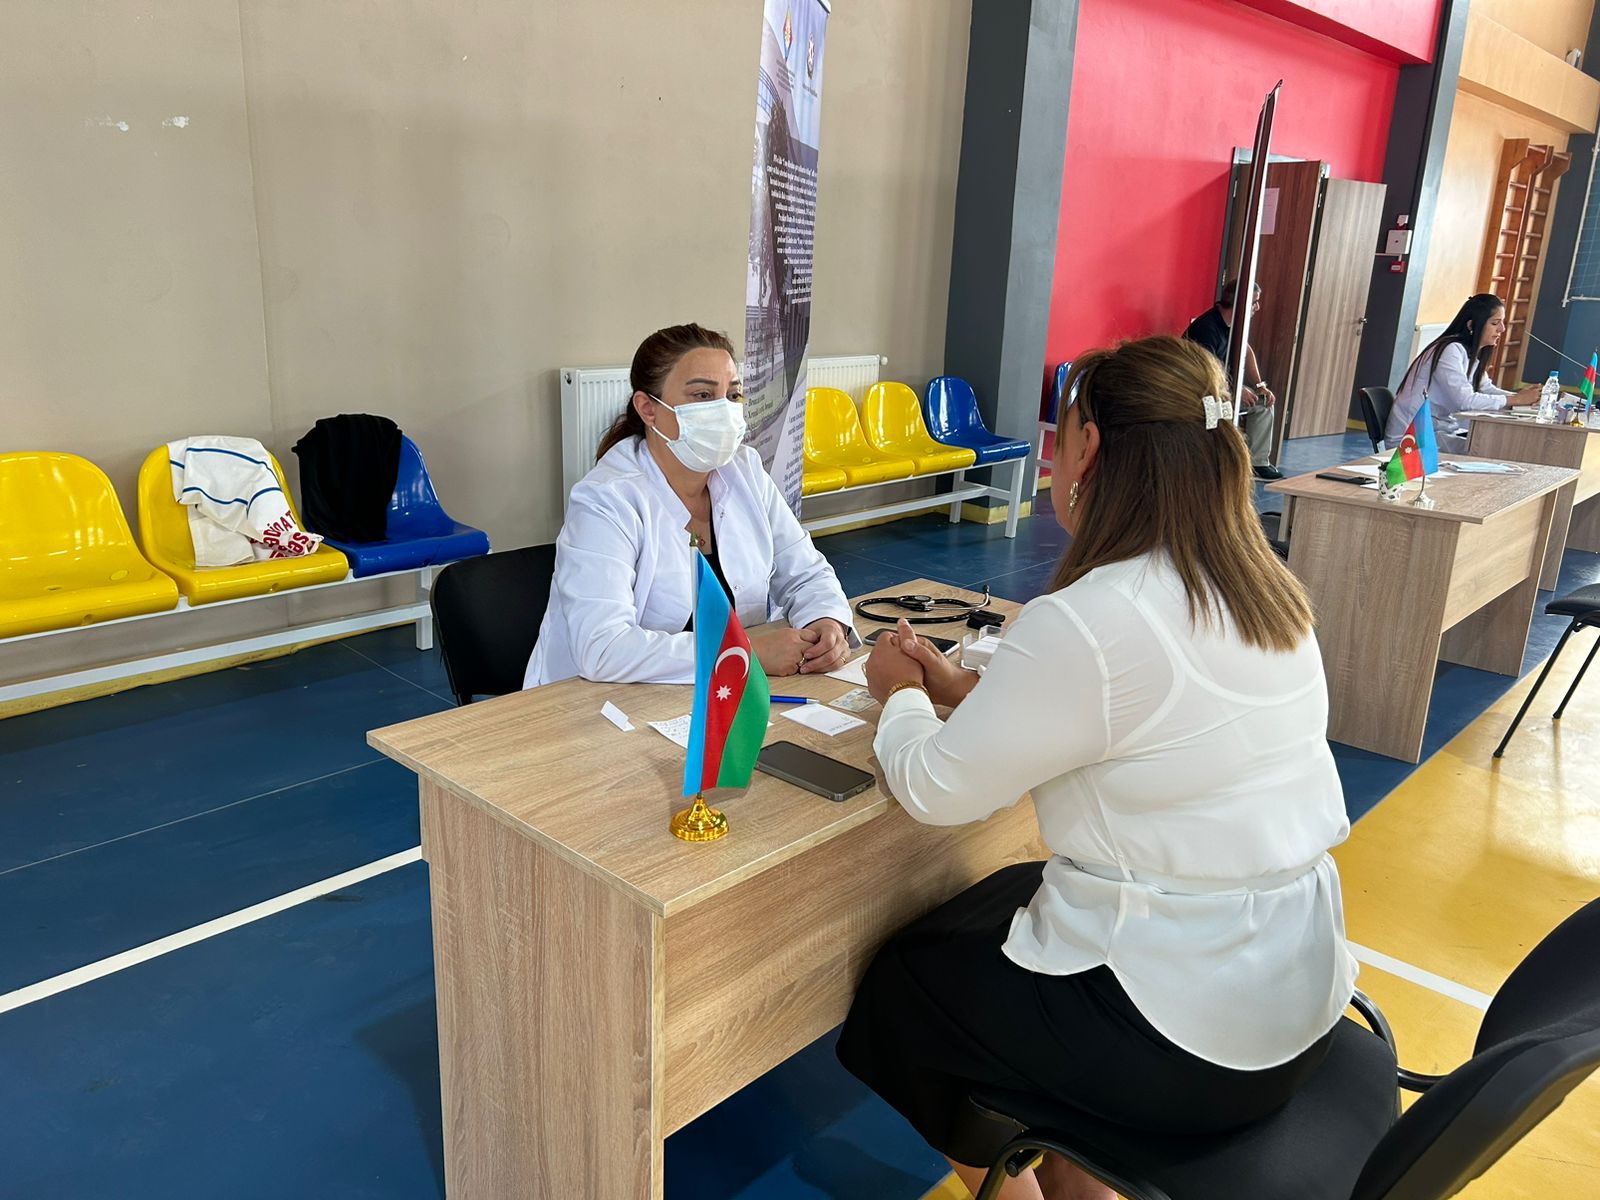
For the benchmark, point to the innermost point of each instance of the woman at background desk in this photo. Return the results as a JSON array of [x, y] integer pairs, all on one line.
[[672, 466], [1179, 963], [1450, 374]]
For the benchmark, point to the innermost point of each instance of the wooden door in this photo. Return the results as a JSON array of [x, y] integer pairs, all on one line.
[[1287, 230], [1335, 311]]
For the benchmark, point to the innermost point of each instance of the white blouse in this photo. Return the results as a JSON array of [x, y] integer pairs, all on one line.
[[623, 589], [1448, 389], [1184, 784]]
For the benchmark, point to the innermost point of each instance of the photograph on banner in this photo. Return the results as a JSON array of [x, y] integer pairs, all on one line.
[[782, 234]]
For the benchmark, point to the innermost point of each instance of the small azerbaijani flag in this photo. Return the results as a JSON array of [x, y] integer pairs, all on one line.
[[1405, 463], [1588, 380], [731, 696], [1421, 429]]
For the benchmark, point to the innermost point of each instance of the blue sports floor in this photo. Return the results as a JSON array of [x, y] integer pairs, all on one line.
[[296, 1056]]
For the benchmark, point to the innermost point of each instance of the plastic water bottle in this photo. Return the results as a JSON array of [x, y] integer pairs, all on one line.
[[1548, 397]]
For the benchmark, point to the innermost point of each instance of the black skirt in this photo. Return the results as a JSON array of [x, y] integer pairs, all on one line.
[[942, 1010]]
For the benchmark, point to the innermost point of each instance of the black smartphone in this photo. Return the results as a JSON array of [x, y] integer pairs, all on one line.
[[942, 645], [1344, 478], [815, 772]]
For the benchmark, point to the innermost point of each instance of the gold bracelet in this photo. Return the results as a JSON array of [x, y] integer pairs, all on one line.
[[902, 685]]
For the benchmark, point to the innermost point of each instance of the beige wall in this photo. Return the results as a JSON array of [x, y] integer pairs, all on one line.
[[423, 210], [130, 284], [1555, 26], [1513, 85], [1478, 129]]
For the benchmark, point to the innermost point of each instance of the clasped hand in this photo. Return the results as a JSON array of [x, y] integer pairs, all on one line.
[[820, 647], [903, 657]]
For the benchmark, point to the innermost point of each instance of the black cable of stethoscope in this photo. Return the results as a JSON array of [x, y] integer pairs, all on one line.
[[922, 604]]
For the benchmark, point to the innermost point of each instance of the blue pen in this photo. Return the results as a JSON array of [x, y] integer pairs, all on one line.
[[793, 700]]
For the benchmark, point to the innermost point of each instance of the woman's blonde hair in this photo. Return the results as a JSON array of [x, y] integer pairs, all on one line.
[[1164, 482]]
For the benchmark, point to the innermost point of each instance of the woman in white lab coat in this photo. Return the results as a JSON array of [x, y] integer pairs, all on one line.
[[1450, 374], [672, 467]]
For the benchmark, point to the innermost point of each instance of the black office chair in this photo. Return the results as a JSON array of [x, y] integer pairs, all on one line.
[[1340, 1137], [1583, 606], [486, 614], [1272, 526], [1376, 405]]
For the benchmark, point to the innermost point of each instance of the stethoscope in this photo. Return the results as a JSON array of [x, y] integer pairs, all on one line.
[[922, 604]]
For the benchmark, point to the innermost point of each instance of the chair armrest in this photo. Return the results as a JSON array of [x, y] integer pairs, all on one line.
[[1379, 1024]]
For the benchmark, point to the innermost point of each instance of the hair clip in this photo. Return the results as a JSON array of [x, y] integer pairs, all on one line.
[[1216, 410]]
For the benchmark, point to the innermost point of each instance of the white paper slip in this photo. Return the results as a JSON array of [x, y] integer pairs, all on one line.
[[1370, 471], [854, 672], [823, 719], [1484, 468], [676, 730], [616, 716]]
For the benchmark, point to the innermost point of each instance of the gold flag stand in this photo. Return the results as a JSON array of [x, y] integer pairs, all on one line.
[[697, 823]]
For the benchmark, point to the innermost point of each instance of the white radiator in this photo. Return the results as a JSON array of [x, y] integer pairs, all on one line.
[[853, 373], [1425, 336], [593, 397]]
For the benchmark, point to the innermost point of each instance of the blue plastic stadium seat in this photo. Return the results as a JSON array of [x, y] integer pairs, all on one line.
[[953, 418], [419, 533]]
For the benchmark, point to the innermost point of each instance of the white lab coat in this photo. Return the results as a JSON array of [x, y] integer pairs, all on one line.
[[1448, 390], [622, 592]]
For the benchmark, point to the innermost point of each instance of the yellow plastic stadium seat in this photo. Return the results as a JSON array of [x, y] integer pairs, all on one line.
[[814, 479], [892, 418], [164, 533], [67, 556], [834, 440]]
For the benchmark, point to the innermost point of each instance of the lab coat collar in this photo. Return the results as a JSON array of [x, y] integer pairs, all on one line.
[[716, 484]]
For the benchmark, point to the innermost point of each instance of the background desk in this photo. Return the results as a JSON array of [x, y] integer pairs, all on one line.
[[1395, 588], [601, 983], [1517, 439]]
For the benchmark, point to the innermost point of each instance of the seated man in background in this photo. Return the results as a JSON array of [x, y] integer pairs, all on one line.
[[1211, 329]]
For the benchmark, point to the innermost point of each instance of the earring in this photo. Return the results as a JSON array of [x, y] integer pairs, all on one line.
[[1072, 496]]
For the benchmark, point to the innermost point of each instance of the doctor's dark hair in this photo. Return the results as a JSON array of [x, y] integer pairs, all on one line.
[[1465, 329], [652, 363], [1163, 483]]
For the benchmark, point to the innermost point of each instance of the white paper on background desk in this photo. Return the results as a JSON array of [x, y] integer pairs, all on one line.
[[1370, 471], [675, 730], [823, 719], [616, 716], [852, 672]]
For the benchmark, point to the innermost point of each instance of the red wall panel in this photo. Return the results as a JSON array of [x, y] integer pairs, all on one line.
[[1162, 92]]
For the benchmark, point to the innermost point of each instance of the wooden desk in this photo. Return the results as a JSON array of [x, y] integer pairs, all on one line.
[[1519, 439], [1396, 588], [601, 983]]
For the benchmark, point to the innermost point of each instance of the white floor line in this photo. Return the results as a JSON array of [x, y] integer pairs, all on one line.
[[122, 837], [199, 933], [1426, 979]]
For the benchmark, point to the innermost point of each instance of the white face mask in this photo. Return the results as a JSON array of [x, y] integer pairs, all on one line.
[[710, 433]]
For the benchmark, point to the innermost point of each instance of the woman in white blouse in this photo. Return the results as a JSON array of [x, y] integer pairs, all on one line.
[[674, 467], [1450, 374], [1179, 963]]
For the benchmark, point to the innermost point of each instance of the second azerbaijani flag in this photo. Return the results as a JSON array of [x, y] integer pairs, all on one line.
[[1588, 379], [731, 696]]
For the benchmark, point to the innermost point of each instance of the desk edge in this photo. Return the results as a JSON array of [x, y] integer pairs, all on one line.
[[661, 906]]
